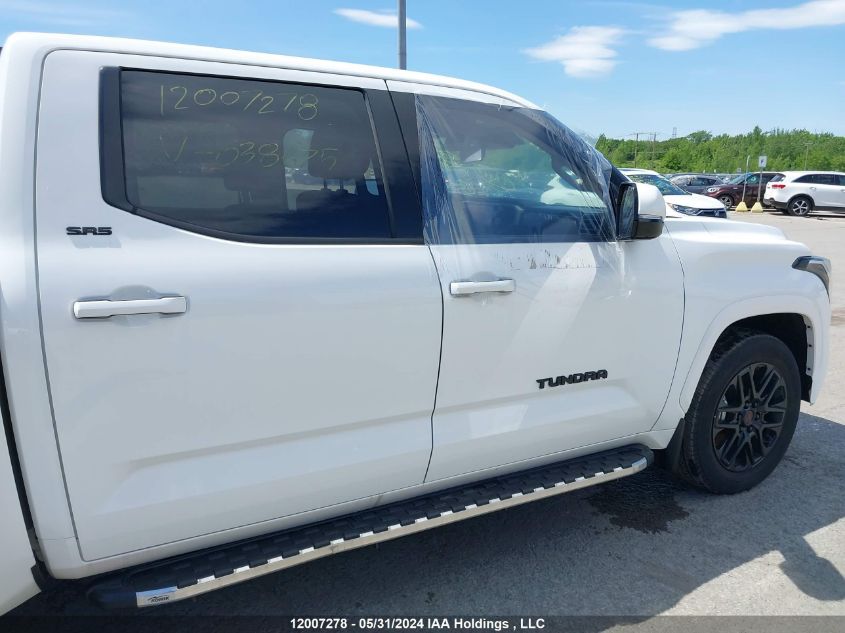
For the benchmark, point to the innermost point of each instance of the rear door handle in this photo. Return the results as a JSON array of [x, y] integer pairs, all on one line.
[[464, 288], [106, 308]]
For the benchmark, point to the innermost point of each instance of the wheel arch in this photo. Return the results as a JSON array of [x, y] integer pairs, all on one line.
[[790, 328], [802, 195], [796, 320]]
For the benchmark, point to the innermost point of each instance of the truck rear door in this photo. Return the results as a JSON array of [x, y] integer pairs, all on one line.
[[240, 319]]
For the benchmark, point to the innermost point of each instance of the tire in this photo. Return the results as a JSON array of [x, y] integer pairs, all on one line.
[[726, 452], [799, 206], [727, 201]]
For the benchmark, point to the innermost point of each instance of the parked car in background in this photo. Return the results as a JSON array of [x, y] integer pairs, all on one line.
[[696, 183], [799, 192], [730, 193], [676, 198]]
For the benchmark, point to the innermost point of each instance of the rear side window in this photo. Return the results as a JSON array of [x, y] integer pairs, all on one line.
[[818, 179], [826, 179], [777, 178], [249, 160]]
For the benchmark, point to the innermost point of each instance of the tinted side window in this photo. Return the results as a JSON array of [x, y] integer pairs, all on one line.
[[251, 159], [826, 179], [753, 179], [502, 174], [805, 179]]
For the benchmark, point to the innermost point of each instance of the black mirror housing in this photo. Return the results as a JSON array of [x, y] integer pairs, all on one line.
[[648, 227]]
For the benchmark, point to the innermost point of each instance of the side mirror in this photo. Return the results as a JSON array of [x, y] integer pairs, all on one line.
[[641, 211]]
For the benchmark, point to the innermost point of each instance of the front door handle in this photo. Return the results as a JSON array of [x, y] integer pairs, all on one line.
[[106, 308], [464, 288]]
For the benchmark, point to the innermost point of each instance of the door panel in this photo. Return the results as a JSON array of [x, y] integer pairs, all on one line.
[[512, 197], [577, 307], [299, 376], [827, 191]]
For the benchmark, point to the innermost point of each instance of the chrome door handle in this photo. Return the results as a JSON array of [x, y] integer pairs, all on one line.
[[464, 288], [106, 308]]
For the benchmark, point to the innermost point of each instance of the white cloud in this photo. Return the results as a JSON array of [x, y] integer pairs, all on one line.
[[698, 27], [585, 51], [373, 18]]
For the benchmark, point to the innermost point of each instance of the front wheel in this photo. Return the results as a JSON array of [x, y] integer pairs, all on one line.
[[799, 206], [743, 414]]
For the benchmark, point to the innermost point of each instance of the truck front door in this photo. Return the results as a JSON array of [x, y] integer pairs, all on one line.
[[556, 336]]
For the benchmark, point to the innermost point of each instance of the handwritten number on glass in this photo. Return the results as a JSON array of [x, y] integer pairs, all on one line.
[[174, 98]]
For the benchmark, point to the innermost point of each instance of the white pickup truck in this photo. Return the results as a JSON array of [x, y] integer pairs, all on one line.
[[255, 310]]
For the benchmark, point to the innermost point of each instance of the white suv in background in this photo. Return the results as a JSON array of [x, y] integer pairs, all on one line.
[[799, 192]]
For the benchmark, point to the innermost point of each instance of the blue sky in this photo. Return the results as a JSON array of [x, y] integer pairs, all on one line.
[[598, 65]]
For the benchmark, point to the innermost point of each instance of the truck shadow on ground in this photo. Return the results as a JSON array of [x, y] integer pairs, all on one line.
[[635, 547]]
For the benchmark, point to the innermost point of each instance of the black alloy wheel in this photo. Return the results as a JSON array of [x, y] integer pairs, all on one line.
[[749, 418], [743, 413]]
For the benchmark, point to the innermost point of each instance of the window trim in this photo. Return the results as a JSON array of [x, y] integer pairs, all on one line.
[[113, 165]]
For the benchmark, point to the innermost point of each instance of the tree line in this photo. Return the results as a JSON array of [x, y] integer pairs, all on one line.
[[701, 151]]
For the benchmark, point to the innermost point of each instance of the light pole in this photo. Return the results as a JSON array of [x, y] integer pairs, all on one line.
[[745, 179], [403, 53], [636, 136], [806, 154]]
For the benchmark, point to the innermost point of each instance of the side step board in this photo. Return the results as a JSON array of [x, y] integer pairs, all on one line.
[[193, 574]]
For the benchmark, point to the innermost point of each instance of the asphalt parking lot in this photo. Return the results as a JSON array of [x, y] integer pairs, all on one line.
[[642, 546]]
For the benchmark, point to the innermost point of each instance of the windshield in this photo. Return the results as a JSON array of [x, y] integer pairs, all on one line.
[[666, 187], [737, 180]]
